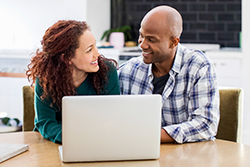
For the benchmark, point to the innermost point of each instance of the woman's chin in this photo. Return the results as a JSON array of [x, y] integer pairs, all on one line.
[[96, 69]]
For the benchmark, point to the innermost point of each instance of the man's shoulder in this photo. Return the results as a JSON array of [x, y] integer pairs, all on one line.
[[201, 58], [195, 56]]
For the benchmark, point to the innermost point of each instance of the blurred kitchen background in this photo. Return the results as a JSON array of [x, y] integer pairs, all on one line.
[[220, 28]]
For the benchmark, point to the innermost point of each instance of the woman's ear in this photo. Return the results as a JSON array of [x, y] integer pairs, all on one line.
[[63, 59]]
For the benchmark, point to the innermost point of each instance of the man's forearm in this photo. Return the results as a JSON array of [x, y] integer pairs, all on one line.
[[165, 137]]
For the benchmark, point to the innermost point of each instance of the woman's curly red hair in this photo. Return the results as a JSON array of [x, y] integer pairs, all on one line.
[[51, 64]]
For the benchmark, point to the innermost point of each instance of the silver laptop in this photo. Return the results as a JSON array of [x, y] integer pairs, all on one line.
[[110, 128]]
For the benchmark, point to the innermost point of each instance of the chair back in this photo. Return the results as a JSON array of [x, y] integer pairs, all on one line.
[[28, 108], [230, 125]]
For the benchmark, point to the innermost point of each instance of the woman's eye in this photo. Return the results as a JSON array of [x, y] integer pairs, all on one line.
[[89, 50]]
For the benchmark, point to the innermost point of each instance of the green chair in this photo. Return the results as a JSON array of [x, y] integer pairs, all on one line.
[[28, 108], [230, 125]]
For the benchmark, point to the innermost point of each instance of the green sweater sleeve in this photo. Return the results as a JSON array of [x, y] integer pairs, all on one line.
[[45, 118]]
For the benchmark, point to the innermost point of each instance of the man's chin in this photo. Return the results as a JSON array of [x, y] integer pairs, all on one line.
[[146, 61]]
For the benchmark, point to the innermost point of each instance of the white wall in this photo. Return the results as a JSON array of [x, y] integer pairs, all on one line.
[[98, 16], [246, 66], [23, 22]]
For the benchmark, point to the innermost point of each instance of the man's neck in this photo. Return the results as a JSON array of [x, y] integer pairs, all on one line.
[[158, 71], [163, 68]]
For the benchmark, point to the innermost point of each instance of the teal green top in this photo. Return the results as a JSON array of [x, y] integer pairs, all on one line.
[[48, 119]]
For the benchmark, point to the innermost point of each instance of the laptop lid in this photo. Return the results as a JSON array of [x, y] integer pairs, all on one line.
[[110, 127]]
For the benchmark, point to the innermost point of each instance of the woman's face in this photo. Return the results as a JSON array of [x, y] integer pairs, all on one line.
[[85, 59]]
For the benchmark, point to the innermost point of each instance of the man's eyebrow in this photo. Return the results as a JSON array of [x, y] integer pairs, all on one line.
[[148, 36], [152, 37]]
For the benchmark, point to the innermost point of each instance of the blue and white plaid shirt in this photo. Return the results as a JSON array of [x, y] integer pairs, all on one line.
[[190, 109]]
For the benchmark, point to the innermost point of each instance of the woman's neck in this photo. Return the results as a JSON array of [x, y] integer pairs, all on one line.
[[78, 78]]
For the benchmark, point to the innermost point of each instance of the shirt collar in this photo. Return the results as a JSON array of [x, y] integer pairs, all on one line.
[[150, 73], [178, 58]]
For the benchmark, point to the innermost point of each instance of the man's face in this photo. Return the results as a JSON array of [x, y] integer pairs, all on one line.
[[155, 41]]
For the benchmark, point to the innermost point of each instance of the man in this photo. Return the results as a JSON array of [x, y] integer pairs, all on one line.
[[185, 78]]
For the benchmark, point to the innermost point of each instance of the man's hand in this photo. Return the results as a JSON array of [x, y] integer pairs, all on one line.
[[165, 137]]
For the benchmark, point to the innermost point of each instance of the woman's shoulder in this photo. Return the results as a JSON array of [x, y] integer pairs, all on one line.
[[39, 91], [111, 66], [38, 87]]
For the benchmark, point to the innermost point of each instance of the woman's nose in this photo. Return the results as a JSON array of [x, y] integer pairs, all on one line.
[[96, 53]]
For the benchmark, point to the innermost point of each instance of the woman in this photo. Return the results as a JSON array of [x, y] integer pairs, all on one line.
[[68, 64]]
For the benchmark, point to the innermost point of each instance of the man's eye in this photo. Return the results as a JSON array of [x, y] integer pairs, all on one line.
[[151, 40]]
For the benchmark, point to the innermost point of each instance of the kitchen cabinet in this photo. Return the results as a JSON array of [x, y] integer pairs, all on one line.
[[228, 67], [13, 64]]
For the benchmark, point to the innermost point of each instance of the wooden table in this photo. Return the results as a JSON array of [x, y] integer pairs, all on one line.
[[216, 153]]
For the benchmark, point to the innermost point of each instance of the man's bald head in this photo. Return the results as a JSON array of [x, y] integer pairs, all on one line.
[[165, 16]]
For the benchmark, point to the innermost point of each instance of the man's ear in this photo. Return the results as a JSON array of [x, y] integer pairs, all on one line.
[[175, 41]]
